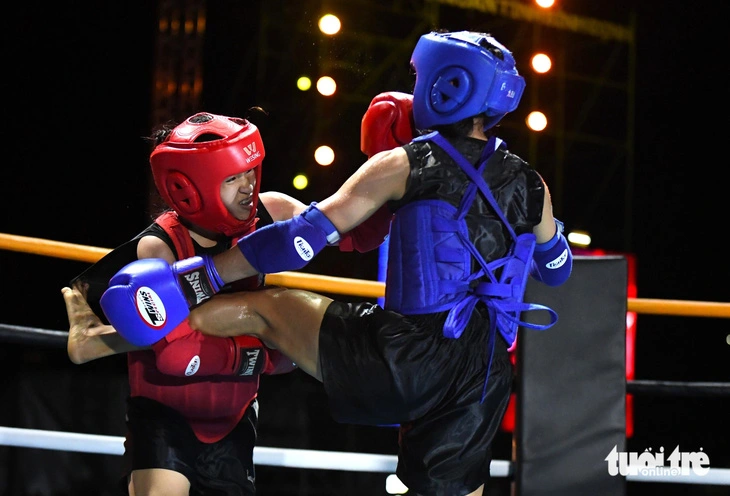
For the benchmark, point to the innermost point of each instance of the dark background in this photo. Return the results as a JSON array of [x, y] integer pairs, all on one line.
[[77, 91]]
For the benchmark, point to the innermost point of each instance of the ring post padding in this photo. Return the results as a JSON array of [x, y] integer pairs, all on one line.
[[571, 385]]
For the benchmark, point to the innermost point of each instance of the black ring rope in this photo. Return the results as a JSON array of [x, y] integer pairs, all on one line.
[[58, 339], [31, 335], [677, 388]]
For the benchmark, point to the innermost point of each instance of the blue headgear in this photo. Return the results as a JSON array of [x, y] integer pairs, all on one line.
[[457, 77]]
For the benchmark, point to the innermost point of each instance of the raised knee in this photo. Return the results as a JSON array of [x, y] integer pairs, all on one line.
[[195, 320]]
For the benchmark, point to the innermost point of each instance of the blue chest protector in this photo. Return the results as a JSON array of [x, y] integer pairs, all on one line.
[[430, 261]]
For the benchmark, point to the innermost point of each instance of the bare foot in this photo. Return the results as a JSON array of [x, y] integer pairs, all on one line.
[[86, 330]]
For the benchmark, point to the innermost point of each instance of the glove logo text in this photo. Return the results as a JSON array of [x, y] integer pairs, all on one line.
[[150, 307], [193, 366], [558, 262], [196, 285], [303, 248], [252, 357]]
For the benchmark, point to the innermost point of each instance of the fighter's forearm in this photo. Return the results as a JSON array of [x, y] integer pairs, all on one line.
[[233, 266]]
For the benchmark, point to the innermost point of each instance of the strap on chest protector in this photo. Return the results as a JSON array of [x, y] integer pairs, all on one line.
[[503, 296]]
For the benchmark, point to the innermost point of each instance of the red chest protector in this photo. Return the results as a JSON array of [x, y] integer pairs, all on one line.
[[213, 406]]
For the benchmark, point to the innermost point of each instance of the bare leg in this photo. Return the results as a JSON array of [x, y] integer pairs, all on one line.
[[158, 482], [285, 319], [88, 337], [479, 491]]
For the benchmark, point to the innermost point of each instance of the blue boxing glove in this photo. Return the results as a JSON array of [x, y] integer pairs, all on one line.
[[289, 244], [552, 262], [198, 279], [148, 298]]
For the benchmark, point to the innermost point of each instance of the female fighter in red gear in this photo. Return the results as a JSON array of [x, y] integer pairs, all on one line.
[[189, 390], [192, 412]]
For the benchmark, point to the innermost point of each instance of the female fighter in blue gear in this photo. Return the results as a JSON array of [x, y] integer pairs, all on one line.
[[470, 221]]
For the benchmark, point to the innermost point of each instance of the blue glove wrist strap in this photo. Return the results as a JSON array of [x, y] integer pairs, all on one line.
[[553, 260], [198, 278], [289, 244], [318, 219]]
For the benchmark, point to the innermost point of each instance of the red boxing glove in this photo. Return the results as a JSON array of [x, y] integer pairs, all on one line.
[[368, 235], [387, 123], [278, 363], [186, 352]]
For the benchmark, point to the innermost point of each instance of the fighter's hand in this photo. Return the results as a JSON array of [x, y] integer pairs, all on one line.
[[387, 123]]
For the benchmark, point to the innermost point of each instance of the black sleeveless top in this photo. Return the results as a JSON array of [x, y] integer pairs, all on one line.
[[516, 186], [224, 242]]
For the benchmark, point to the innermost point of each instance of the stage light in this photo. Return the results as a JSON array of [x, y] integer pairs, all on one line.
[[304, 83], [329, 24], [536, 121], [545, 4], [326, 86], [579, 238], [324, 155], [300, 181], [541, 63]]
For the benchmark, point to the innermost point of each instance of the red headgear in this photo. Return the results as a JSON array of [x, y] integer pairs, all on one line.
[[190, 166]]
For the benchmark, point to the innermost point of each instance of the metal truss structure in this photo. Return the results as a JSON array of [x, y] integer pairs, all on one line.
[[586, 153]]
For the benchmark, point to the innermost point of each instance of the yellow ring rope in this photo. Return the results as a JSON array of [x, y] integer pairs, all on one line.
[[342, 285]]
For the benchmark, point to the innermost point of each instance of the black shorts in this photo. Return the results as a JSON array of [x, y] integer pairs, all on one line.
[[159, 437], [382, 368]]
